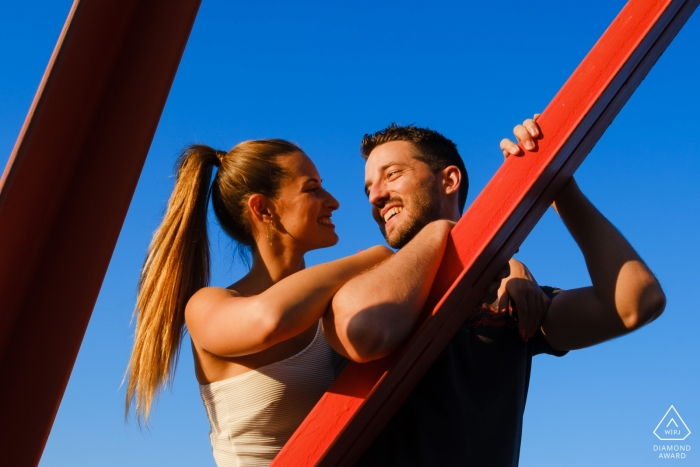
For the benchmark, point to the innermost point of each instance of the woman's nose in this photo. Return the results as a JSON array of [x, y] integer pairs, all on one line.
[[331, 202]]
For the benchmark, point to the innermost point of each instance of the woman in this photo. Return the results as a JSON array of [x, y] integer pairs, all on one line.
[[260, 356]]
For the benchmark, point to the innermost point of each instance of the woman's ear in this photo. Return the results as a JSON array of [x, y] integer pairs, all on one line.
[[451, 179], [260, 208]]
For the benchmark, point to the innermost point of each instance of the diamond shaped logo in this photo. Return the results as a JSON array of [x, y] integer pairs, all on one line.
[[672, 427]]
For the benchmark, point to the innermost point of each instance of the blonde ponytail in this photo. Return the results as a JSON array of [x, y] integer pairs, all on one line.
[[176, 266]]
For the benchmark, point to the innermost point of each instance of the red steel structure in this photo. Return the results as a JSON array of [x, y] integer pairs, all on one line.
[[365, 396], [73, 171], [65, 193]]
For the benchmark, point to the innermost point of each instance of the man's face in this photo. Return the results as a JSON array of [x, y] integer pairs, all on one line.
[[404, 193]]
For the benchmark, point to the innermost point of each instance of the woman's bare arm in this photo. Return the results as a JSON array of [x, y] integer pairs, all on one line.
[[375, 311], [227, 324]]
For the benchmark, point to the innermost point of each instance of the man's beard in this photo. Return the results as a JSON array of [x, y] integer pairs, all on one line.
[[425, 209]]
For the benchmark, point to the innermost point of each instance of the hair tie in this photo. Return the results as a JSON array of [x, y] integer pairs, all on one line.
[[219, 157]]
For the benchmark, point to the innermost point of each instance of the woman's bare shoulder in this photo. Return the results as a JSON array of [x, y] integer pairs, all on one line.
[[210, 296]]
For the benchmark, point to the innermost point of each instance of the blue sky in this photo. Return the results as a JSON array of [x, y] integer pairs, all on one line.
[[324, 73]]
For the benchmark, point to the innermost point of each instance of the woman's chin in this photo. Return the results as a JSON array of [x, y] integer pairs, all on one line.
[[334, 240], [330, 241]]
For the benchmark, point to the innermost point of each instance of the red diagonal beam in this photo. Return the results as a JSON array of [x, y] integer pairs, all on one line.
[[364, 397], [66, 191]]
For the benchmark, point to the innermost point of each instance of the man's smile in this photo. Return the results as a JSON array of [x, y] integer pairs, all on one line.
[[391, 213]]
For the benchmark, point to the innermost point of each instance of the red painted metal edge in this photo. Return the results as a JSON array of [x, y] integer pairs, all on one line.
[[65, 193], [365, 396]]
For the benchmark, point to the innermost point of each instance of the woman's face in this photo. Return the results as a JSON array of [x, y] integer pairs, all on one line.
[[303, 207]]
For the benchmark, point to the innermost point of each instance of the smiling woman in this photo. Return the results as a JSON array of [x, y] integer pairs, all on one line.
[[260, 356]]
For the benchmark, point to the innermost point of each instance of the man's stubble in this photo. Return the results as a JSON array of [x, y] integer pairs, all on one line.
[[426, 207]]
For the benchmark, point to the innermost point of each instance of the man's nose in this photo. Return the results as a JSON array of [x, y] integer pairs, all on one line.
[[378, 194]]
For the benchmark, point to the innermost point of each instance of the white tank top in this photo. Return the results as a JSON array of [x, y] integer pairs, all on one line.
[[252, 415]]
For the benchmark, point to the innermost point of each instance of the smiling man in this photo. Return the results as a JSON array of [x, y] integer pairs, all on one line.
[[413, 181], [468, 408]]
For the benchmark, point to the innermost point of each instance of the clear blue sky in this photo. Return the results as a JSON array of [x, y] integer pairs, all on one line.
[[322, 74]]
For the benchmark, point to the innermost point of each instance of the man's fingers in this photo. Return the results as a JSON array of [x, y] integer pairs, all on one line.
[[509, 148], [532, 127], [491, 294], [520, 132], [524, 136]]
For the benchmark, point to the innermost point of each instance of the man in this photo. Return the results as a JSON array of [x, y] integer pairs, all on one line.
[[468, 408]]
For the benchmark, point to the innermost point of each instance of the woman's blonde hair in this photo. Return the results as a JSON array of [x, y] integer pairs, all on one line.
[[177, 263]]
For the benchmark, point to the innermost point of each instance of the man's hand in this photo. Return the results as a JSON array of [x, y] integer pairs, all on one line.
[[530, 302], [520, 287], [527, 133], [625, 294], [492, 291]]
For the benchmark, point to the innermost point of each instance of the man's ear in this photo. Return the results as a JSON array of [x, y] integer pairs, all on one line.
[[451, 179], [260, 208]]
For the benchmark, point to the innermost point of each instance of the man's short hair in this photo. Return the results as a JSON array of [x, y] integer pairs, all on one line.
[[433, 149]]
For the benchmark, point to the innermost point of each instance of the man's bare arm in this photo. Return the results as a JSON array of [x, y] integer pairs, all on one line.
[[624, 296], [375, 311]]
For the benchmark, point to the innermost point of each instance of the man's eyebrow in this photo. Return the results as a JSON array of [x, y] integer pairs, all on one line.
[[368, 184], [312, 180]]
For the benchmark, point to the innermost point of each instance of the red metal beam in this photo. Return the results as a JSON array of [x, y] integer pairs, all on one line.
[[66, 191], [364, 397]]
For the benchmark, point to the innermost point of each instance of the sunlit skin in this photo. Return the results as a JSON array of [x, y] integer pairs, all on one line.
[[624, 294], [375, 312], [405, 195], [302, 211], [396, 181], [272, 313]]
